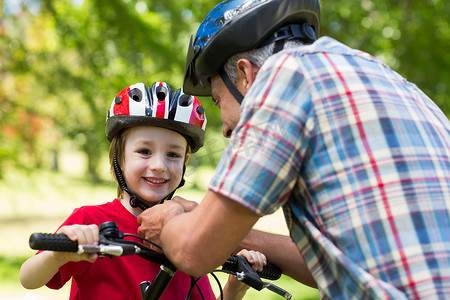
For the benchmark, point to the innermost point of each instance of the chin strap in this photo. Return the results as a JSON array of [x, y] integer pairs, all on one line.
[[136, 202], [231, 87]]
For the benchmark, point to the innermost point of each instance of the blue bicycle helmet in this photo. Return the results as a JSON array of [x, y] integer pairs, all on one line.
[[235, 26]]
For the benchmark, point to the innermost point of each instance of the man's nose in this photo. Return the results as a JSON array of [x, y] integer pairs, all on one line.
[[226, 131]]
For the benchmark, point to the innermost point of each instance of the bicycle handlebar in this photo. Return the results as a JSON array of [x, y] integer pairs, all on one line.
[[60, 242], [111, 243]]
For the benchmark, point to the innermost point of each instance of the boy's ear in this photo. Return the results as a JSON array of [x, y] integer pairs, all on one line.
[[186, 158]]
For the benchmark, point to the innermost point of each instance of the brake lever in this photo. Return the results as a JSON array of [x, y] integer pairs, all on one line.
[[246, 274], [110, 248], [277, 290]]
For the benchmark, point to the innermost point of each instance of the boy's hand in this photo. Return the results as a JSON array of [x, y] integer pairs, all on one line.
[[255, 258], [85, 235], [236, 289]]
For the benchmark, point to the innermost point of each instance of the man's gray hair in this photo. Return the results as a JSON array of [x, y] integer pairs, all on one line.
[[255, 56]]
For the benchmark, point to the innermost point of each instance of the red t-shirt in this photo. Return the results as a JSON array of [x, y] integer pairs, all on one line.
[[118, 277]]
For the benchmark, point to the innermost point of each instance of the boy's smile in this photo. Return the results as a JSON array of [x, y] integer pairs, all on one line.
[[155, 180]]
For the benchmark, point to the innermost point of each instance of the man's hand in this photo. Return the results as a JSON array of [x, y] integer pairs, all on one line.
[[187, 205], [153, 219]]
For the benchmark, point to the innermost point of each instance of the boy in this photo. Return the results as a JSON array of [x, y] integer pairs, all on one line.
[[152, 133]]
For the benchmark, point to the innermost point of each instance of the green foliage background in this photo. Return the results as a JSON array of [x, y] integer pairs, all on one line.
[[62, 62]]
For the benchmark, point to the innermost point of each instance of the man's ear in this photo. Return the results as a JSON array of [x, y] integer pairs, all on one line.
[[246, 74]]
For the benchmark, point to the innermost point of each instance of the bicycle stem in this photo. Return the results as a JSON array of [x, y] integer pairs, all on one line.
[[154, 290]]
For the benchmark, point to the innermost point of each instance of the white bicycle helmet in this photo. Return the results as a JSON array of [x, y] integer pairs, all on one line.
[[158, 105]]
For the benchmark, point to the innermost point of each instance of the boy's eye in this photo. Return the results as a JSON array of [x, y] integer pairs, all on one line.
[[174, 155], [145, 152]]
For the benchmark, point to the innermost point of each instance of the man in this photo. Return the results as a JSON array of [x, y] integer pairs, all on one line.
[[358, 157]]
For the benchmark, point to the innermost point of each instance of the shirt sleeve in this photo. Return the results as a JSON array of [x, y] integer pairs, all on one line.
[[263, 159], [69, 269]]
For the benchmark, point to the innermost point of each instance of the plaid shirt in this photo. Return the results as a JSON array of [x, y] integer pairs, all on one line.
[[359, 159]]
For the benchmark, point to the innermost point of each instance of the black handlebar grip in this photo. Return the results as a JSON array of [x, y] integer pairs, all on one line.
[[235, 263], [54, 242], [270, 272]]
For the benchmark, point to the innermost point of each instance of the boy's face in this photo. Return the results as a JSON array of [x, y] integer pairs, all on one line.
[[153, 161]]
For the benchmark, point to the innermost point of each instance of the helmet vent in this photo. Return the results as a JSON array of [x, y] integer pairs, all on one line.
[[135, 94], [200, 110], [161, 92], [185, 100]]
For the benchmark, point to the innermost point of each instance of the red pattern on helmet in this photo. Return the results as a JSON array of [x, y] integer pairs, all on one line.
[[139, 106], [122, 108], [196, 118], [161, 105]]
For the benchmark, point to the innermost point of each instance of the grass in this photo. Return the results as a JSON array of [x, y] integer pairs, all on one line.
[[8, 268], [39, 201]]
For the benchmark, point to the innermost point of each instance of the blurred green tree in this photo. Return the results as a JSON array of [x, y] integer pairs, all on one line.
[[62, 61]]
